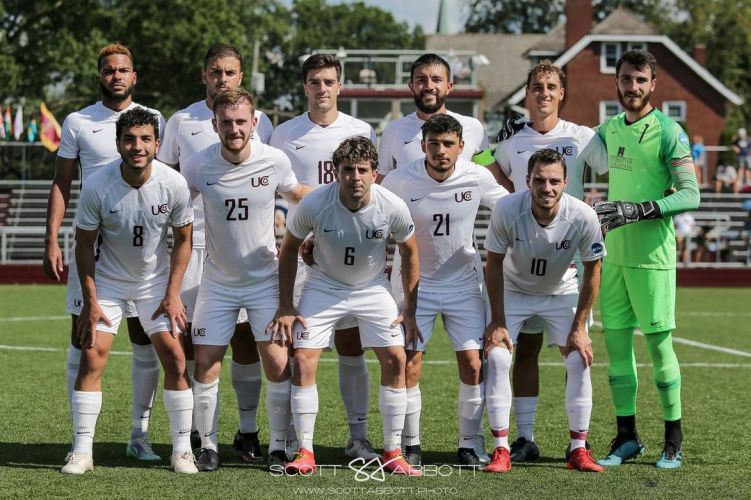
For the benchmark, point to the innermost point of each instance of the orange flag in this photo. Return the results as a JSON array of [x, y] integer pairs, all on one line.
[[49, 129]]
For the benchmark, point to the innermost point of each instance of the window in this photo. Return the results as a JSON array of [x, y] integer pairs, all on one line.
[[608, 109], [636, 45], [609, 54], [675, 110]]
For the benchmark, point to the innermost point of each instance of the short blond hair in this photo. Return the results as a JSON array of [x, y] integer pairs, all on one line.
[[546, 67], [233, 98], [113, 49]]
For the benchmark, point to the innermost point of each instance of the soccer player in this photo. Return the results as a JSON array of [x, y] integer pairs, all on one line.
[[238, 179], [443, 193], [88, 140], [649, 154], [531, 242], [309, 141], [351, 220], [189, 131], [545, 91], [430, 84], [129, 204]]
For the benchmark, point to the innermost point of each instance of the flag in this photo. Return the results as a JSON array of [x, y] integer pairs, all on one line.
[[18, 124], [2, 125], [7, 122], [31, 130], [49, 129]]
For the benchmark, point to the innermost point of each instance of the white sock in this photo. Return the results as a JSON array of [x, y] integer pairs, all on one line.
[[304, 403], [179, 406], [578, 398], [393, 405], [291, 431], [86, 407], [354, 385], [411, 434], [470, 413], [278, 410], [144, 378], [71, 374], [206, 412], [525, 411], [498, 395], [246, 380]]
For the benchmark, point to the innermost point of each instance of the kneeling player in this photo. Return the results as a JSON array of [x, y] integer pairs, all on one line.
[[129, 204], [531, 242], [351, 220]]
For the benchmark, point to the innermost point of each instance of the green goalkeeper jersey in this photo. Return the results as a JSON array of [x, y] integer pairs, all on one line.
[[647, 158]]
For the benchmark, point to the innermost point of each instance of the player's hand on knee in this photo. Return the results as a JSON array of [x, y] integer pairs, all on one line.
[[614, 214], [578, 340], [280, 328], [496, 336], [411, 332], [87, 324], [306, 251], [52, 262], [172, 308]]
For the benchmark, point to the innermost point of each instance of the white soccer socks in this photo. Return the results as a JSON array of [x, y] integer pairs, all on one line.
[[393, 406], [179, 406], [246, 380], [354, 385], [85, 409], [470, 414], [278, 410], [206, 412], [498, 395], [411, 430], [144, 378], [525, 412], [304, 403], [578, 398]]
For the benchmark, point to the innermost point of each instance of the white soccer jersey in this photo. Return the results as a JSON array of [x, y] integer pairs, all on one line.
[[444, 214], [89, 135], [400, 142], [350, 250], [579, 146], [189, 131], [132, 222], [238, 203], [310, 147], [538, 259]]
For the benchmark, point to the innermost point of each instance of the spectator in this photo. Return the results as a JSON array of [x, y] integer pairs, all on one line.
[[698, 152], [742, 148], [726, 177], [685, 226]]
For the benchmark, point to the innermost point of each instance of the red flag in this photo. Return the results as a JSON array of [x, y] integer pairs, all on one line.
[[49, 129]]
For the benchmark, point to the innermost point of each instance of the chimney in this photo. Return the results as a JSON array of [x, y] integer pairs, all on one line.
[[579, 15], [700, 53]]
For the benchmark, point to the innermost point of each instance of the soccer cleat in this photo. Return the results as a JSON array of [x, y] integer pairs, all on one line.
[[568, 449], [582, 460], [195, 440], [524, 451], [622, 449], [480, 451], [467, 457], [140, 448], [292, 446], [248, 446], [303, 463], [360, 449], [413, 454], [208, 460], [184, 462], [78, 463], [671, 458], [68, 456], [277, 460], [501, 461], [395, 463]]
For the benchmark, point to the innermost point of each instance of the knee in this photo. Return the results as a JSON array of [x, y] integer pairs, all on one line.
[[347, 342], [470, 370], [413, 368]]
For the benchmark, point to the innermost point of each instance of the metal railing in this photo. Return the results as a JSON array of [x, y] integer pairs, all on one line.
[[34, 238]]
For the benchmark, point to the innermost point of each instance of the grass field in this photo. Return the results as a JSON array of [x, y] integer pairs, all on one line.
[[716, 401]]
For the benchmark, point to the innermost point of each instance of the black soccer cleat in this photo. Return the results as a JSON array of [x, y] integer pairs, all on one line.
[[207, 461], [468, 457], [195, 440], [277, 461], [524, 451], [413, 454], [248, 446]]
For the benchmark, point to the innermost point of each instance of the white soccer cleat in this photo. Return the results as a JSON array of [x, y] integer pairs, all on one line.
[[78, 463], [361, 449], [480, 451], [184, 462]]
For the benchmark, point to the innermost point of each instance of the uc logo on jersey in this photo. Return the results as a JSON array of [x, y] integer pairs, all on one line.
[[374, 234], [159, 209], [259, 181], [465, 196]]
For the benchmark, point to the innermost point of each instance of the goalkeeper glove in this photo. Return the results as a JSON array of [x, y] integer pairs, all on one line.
[[512, 126], [618, 213]]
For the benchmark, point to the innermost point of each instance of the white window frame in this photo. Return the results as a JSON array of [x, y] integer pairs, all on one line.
[[636, 45], [603, 109], [604, 68], [680, 104]]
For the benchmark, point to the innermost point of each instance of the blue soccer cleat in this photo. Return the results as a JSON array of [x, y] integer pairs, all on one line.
[[671, 457], [622, 449]]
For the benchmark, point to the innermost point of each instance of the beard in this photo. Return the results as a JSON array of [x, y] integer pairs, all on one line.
[[635, 107], [117, 96], [430, 109]]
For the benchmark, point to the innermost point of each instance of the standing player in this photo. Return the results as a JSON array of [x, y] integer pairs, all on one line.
[[443, 193], [309, 140], [531, 242], [546, 88], [88, 139], [238, 180], [129, 204], [189, 131], [351, 220], [649, 154]]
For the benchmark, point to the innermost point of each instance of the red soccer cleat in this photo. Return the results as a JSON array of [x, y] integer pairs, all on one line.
[[303, 463], [582, 459], [395, 463], [500, 462]]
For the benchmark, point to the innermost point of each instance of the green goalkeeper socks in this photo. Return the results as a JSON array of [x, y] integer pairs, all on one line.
[[622, 370], [666, 373]]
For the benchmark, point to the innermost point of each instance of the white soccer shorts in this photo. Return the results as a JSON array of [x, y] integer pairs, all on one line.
[[323, 306], [556, 312], [116, 299], [463, 316], [300, 277], [191, 281], [217, 310]]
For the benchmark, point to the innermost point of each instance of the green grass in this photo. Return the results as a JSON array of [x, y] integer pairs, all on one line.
[[36, 426]]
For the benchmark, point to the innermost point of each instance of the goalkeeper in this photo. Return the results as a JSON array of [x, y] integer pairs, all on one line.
[[648, 155]]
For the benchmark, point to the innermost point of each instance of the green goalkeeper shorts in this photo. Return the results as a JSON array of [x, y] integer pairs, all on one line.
[[633, 297]]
